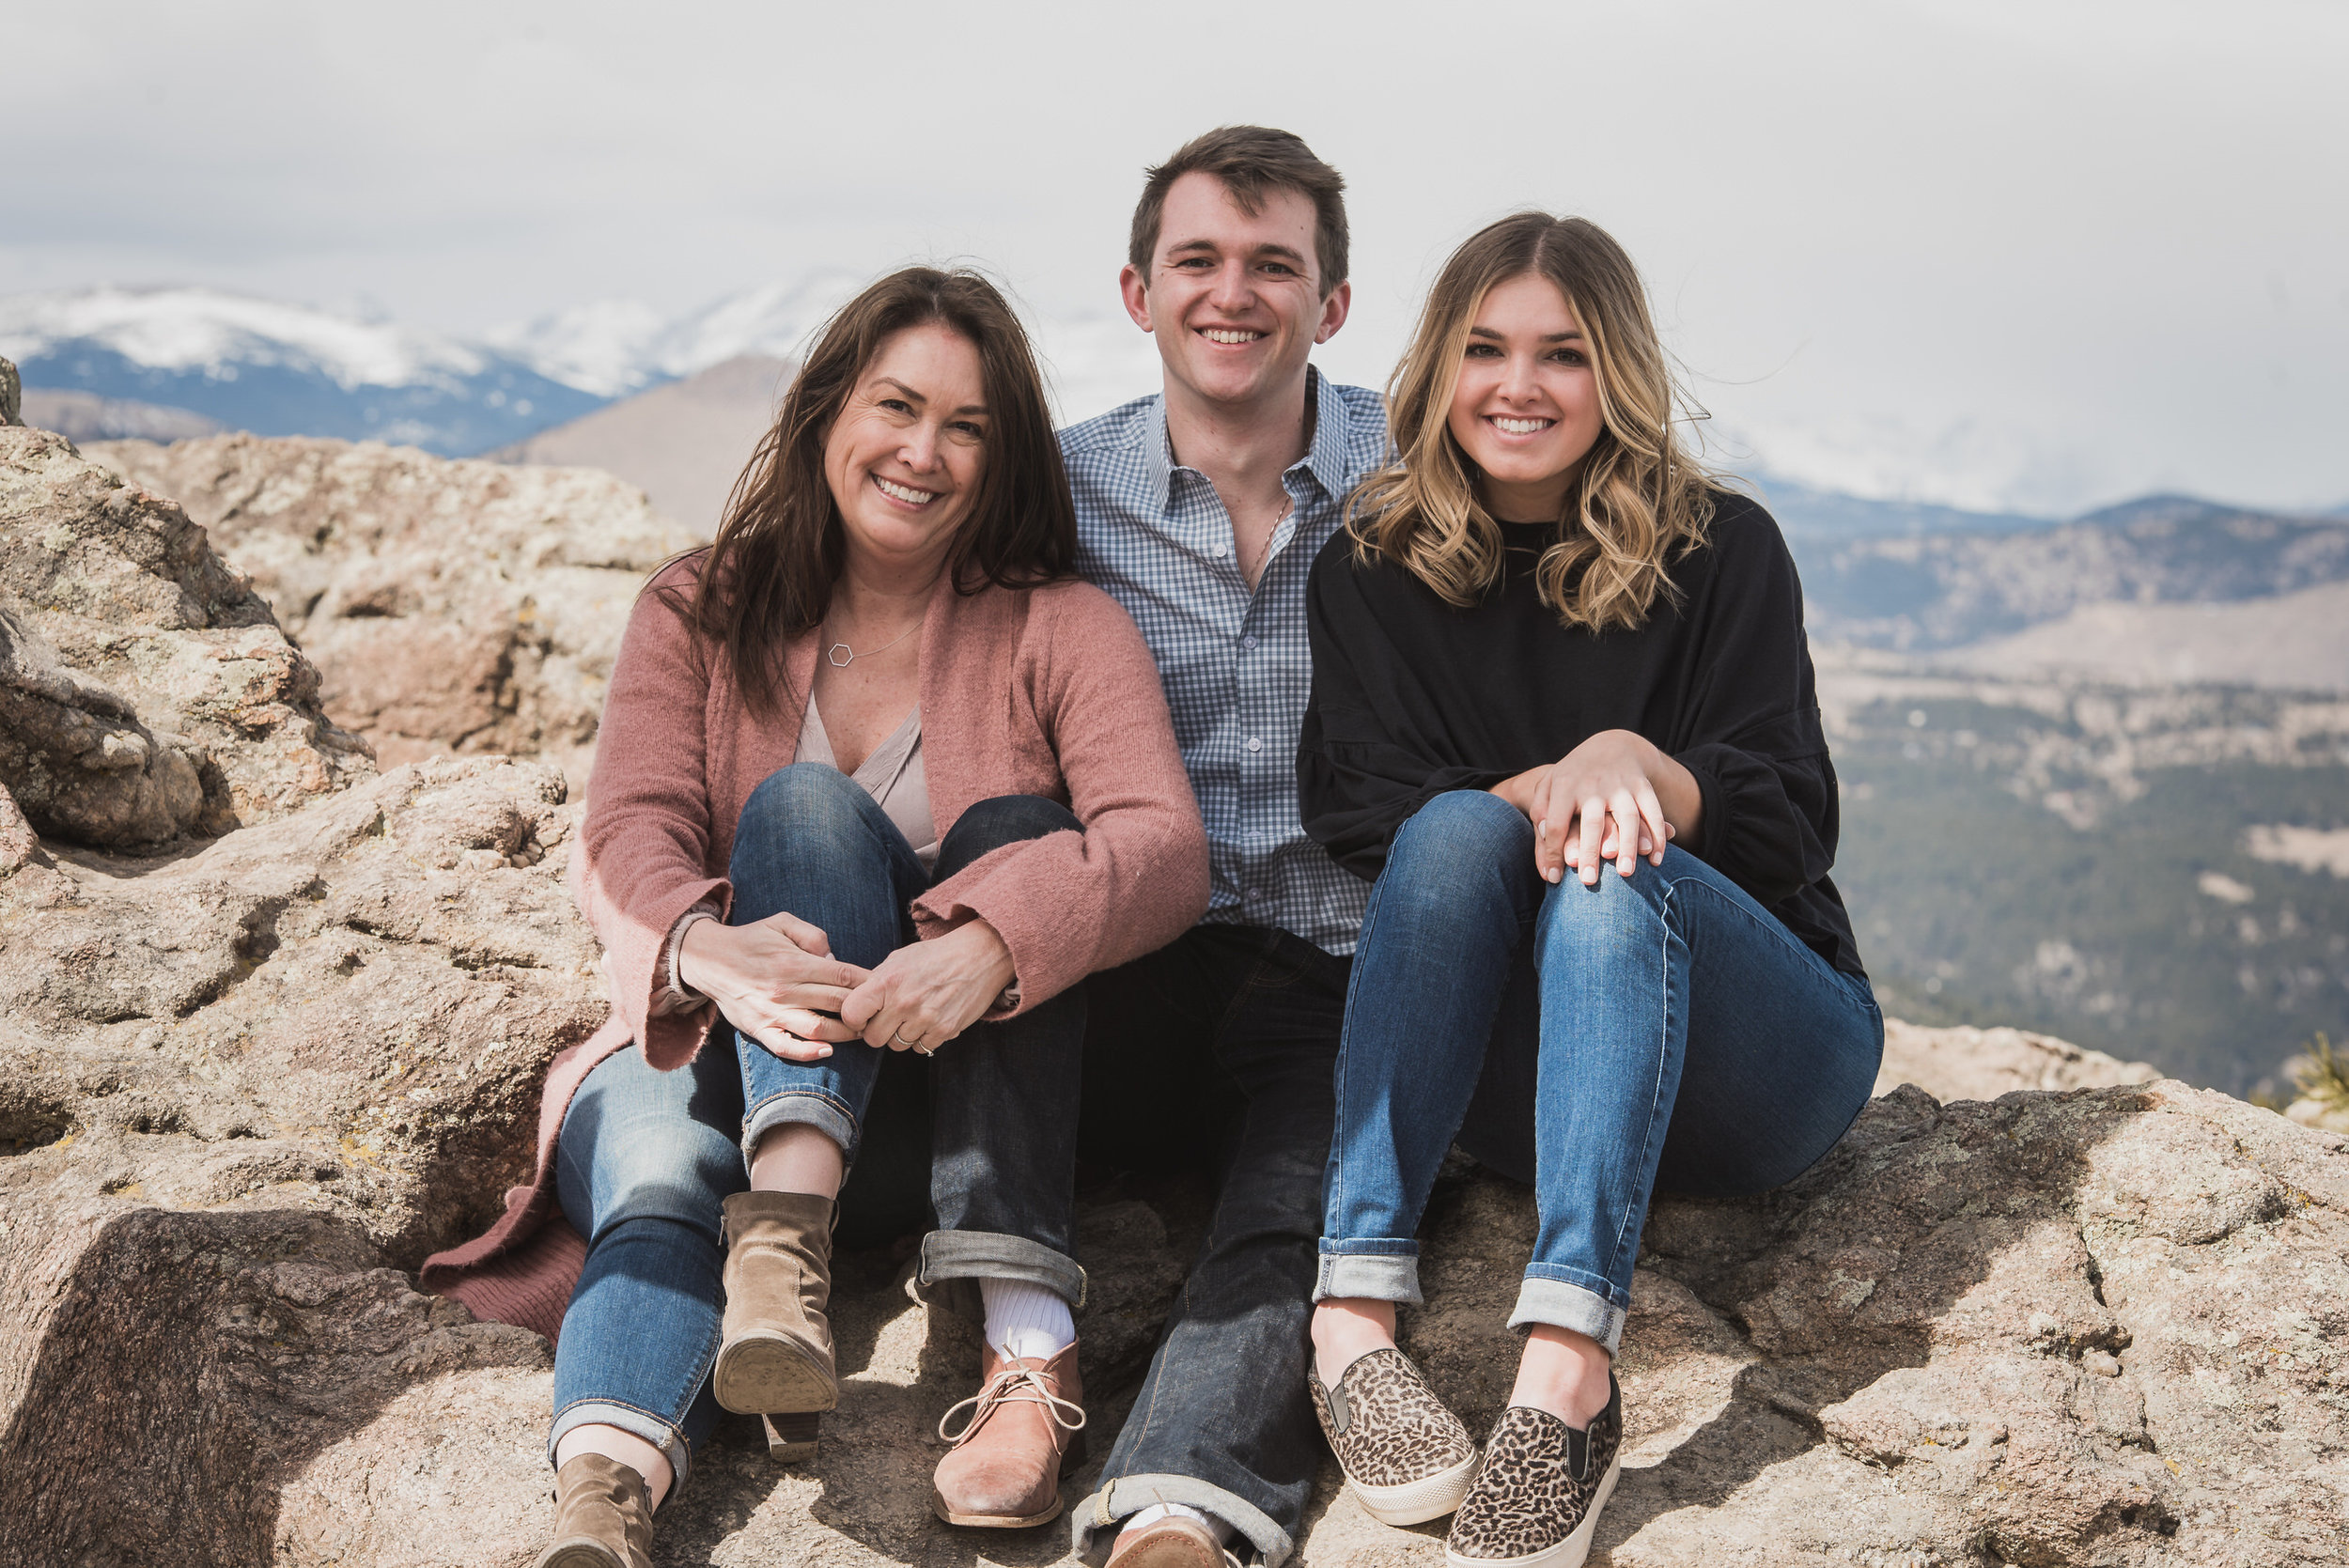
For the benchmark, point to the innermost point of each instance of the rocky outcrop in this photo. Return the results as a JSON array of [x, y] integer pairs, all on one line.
[[1970, 1064], [2103, 1327], [246, 1085], [145, 690], [11, 393], [238, 1089], [451, 606]]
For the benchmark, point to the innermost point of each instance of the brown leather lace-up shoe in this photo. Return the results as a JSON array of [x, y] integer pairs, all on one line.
[[1024, 1433], [603, 1516], [775, 1359]]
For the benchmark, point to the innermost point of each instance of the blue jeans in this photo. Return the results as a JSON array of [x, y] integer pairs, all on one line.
[[646, 1160], [1594, 1041]]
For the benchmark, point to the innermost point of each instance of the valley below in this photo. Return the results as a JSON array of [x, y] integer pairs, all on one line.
[[2153, 870]]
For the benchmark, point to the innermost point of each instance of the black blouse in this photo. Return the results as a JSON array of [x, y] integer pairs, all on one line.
[[1412, 697]]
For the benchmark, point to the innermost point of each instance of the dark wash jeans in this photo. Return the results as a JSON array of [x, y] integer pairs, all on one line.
[[648, 1159], [1218, 1049], [1600, 1042]]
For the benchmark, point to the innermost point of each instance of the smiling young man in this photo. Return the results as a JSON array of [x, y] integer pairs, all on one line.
[[1200, 509]]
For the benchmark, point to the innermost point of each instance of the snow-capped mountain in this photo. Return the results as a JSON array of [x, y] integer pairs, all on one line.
[[288, 369], [283, 370], [617, 347]]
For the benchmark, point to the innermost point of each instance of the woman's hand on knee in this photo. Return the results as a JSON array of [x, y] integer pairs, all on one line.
[[1616, 797], [775, 980], [922, 996]]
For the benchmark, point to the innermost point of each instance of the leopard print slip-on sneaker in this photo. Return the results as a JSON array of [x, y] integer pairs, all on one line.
[[1407, 1458], [1537, 1499]]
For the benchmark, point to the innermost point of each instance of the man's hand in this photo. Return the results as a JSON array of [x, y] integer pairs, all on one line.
[[774, 979], [923, 996]]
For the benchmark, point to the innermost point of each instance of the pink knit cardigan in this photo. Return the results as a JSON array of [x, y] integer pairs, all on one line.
[[1036, 691]]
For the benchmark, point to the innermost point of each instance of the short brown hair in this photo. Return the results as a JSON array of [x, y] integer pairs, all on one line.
[[1250, 160], [769, 575]]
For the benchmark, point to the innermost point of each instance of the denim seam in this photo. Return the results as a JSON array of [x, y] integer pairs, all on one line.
[[1657, 1112], [1333, 1190], [1764, 922], [1863, 998], [1671, 919], [1150, 1408]]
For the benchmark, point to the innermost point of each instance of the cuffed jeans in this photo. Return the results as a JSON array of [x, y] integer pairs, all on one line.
[[1217, 1050], [646, 1160], [1594, 1041]]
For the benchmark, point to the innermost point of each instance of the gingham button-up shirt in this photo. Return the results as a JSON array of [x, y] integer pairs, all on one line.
[[1236, 665]]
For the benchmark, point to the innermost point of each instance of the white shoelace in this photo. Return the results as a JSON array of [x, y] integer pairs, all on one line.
[[1017, 1382]]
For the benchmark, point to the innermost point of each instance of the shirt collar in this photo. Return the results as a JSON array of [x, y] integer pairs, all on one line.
[[1324, 460], [1328, 456]]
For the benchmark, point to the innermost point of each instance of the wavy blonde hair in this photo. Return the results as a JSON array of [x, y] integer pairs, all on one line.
[[1641, 500]]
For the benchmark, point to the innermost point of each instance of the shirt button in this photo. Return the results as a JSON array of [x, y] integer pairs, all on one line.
[[1248, 642], [1218, 552], [1254, 744]]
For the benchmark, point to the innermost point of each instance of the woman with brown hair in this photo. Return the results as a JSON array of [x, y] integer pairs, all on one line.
[[875, 775], [1562, 714]]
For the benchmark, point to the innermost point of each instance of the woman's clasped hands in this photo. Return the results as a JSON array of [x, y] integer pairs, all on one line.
[[1616, 797], [777, 982]]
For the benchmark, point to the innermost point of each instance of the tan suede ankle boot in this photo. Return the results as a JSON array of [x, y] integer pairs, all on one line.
[[603, 1516], [1025, 1430], [776, 1355]]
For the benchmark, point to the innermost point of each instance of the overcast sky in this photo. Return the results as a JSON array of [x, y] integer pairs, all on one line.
[[2032, 254]]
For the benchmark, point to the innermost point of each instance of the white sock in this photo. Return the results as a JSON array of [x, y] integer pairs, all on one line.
[[1157, 1511], [1025, 1321]]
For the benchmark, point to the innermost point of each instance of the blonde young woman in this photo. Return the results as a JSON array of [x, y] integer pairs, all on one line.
[[1562, 714]]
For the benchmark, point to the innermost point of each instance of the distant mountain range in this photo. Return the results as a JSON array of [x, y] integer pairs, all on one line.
[[1920, 593], [676, 404], [282, 370]]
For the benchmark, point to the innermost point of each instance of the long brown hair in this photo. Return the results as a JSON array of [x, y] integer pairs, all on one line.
[[1641, 500], [769, 574]]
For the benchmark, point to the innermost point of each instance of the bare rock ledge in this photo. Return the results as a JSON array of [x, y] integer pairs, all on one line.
[[248, 1078], [465, 605]]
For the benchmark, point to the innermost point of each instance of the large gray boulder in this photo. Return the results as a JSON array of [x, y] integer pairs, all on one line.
[[1969, 1063], [246, 1085], [464, 606], [144, 689]]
